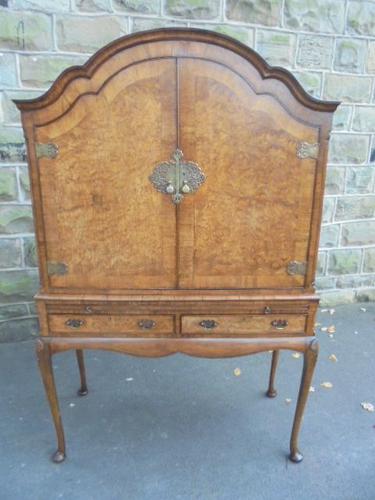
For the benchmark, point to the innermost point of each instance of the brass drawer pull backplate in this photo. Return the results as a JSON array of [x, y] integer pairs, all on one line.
[[209, 324], [279, 324], [147, 324], [75, 323]]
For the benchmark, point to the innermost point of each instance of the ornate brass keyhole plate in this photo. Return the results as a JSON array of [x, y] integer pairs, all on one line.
[[177, 177]]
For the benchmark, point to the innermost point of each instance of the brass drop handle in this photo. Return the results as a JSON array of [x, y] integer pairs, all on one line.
[[147, 324], [75, 323], [177, 177], [209, 324], [279, 324]]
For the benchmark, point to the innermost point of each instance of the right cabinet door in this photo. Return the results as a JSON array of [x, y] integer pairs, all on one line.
[[252, 216]]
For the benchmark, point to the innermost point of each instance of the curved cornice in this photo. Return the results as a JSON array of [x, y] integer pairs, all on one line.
[[179, 34]]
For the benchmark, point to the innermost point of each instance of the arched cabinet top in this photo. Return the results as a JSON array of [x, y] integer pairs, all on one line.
[[178, 42]]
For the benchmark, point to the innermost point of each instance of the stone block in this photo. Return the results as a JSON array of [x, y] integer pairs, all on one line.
[[18, 330], [9, 110], [361, 17], [335, 180], [25, 30], [358, 233], [315, 51], [31, 258], [193, 9], [10, 253], [325, 16], [16, 219], [369, 260], [350, 55], [355, 207], [366, 295], [18, 286], [8, 185], [321, 264], [348, 148], [13, 311], [12, 145], [341, 118], [336, 297], [277, 48], [88, 34], [144, 23], [325, 283], [329, 236], [244, 35], [347, 88], [42, 5], [42, 71], [138, 6], [311, 82], [264, 12], [355, 281], [8, 71], [359, 180], [344, 261], [371, 57], [364, 119], [93, 5], [32, 308], [328, 210], [24, 183]]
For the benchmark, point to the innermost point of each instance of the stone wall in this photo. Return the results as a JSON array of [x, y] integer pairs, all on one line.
[[329, 45]]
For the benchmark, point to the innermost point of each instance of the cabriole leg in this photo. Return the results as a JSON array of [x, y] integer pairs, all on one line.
[[309, 362], [82, 372], [271, 392], [46, 369]]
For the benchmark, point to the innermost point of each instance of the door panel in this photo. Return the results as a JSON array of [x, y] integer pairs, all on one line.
[[102, 217], [252, 215]]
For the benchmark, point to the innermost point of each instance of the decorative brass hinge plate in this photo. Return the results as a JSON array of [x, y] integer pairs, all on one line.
[[307, 150], [177, 177], [48, 150], [56, 268], [296, 267]]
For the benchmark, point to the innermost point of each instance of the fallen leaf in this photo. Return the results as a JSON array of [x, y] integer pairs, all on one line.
[[331, 329], [237, 372], [317, 324], [363, 309], [72, 405], [296, 355], [333, 358], [330, 336], [368, 406], [324, 328], [312, 388], [288, 401], [323, 310], [129, 379], [332, 312], [326, 385]]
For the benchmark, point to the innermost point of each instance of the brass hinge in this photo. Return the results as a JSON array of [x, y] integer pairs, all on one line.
[[48, 150], [307, 150], [56, 268], [296, 267]]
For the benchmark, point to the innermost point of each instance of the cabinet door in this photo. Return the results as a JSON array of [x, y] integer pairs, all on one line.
[[252, 216], [105, 226]]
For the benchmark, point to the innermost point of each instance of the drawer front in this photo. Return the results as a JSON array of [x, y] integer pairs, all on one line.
[[106, 325], [246, 325]]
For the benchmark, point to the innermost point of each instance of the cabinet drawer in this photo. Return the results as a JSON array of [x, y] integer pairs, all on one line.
[[232, 325], [106, 325]]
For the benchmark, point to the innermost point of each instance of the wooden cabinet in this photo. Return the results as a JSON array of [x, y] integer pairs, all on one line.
[[177, 186]]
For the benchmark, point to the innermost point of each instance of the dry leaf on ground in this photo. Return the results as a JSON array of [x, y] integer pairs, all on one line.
[[296, 355], [332, 311], [327, 385], [331, 329], [368, 406], [288, 401], [333, 358], [312, 388], [324, 328], [363, 309], [237, 372]]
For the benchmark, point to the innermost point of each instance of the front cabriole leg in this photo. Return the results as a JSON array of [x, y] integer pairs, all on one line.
[[44, 356], [309, 362], [271, 392]]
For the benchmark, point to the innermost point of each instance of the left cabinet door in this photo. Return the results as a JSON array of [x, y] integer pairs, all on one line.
[[104, 225]]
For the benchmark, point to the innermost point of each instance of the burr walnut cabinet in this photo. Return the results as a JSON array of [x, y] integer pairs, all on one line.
[[177, 185]]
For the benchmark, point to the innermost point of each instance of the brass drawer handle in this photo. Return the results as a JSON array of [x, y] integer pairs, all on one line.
[[209, 324], [75, 323], [279, 324], [147, 324], [267, 310]]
